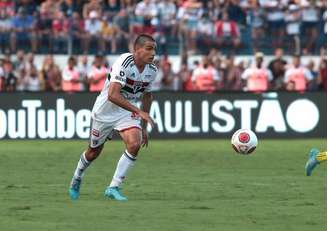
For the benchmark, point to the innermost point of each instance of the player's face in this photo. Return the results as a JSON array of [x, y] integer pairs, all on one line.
[[147, 52]]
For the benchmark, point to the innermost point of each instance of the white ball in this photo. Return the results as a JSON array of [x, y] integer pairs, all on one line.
[[244, 141]]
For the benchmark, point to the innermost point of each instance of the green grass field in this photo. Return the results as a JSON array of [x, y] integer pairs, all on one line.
[[189, 185]]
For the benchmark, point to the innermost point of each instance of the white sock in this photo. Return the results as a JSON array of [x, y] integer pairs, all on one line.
[[81, 166], [124, 164]]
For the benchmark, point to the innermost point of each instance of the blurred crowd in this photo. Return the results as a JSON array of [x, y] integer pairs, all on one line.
[[213, 72], [109, 26]]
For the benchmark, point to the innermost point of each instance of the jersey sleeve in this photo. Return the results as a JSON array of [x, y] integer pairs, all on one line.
[[119, 70]]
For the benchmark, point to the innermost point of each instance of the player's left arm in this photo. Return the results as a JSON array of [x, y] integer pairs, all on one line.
[[146, 101]]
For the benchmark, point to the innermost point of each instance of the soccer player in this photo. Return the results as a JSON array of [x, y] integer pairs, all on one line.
[[315, 157], [115, 109]]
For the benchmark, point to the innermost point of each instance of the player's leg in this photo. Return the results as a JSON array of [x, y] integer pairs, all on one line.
[[98, 136], [315, 158], [132, 138], [84, 162], [321, 157]]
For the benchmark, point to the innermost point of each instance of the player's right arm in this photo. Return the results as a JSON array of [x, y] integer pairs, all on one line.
[[114, 95]]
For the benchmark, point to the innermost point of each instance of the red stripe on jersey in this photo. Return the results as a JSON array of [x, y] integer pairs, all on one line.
[[131, 82]]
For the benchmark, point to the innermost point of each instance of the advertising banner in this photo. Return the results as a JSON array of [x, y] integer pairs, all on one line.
[[177, 115]]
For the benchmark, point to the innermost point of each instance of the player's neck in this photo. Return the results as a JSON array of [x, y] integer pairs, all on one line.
[[140, 65]]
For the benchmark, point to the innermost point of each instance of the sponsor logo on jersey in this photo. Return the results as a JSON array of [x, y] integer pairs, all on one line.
[[119, 78]]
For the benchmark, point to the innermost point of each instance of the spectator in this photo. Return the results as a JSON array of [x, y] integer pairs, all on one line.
[[23, 30], [97, 75], [310, 20], [167, 25], [93, 31], [227, 32], [322, 80], [109, 34], [185, 76], [29, 61], [290, 86], [68, 7], [92, 6], [205, 32], [313, 84], [293, 23], [112, 7], [122, 24], [205, 77], [29, 5], [235, 12], [298, 74], [277, 67], [276, 21], [233, 80], [48, 10], [188, 15], [19, 63], [50, 75], [71, 77], [169, 81], [32, 81], [2, 76], [257, 77], [77, 32], [256, 21], [8, 7], [9, 78], [60, 27], [146, 12], [5, 26], [84, 69]]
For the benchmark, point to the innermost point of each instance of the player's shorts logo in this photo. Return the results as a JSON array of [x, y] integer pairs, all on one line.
[[95, 142], [95, 133], [135, 116]]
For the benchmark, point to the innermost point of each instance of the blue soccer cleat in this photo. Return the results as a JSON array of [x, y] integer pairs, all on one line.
[[74, 190], [115, 194], [312, 161]]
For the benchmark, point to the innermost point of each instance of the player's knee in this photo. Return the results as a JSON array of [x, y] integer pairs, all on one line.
[[93, 153], [133, 147]]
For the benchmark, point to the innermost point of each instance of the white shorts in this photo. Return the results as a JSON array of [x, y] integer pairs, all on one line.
[[101, 131]]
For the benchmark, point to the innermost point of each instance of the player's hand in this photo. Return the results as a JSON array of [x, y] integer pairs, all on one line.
[[145, 116], [144, 142]]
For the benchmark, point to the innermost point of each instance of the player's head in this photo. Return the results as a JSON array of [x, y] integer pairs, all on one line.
[[144, 48]]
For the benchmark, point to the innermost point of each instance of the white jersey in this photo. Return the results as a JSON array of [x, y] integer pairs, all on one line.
[[125, 72]]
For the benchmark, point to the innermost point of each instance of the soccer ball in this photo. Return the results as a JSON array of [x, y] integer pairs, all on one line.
[[244, 141]]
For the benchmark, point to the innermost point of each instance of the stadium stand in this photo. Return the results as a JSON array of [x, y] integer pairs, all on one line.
[[219, 29]]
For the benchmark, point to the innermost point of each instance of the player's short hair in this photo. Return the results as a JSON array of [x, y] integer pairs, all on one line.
[[142, 39]]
